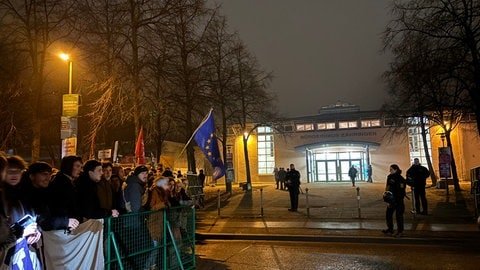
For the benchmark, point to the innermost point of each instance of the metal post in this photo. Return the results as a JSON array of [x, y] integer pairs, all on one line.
[[261, 202], [446, 185], [218, 202], [70, 71], [358, 203], [414, 209], [307, 203], [475, 196]]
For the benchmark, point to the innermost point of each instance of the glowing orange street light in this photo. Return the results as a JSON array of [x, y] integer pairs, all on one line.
[[66, 57]]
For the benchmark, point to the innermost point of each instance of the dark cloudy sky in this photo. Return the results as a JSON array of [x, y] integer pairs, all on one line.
[[320, 51]]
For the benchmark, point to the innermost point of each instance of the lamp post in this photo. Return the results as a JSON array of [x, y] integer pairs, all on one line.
[[66, 57], [69, 125]]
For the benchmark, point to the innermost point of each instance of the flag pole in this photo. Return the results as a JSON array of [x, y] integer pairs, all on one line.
[[195, 132]]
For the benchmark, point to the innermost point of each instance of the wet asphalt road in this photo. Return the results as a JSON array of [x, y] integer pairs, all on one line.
[[254, 255]]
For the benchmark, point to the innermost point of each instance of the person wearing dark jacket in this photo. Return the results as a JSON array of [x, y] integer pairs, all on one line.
[[396, 185], [35, 190], [62, 201], [136, 188], [7, 234], [137, 223], [417, 177], [293, 185], [88, 201], [20, 216]]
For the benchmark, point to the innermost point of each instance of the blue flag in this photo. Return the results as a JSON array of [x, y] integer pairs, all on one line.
[[207, 141]]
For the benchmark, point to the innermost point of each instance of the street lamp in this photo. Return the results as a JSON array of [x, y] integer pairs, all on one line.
[[66, 57], [68, 131]]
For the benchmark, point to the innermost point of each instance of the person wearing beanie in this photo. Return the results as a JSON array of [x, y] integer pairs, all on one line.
[[133, 203], [136, 188]]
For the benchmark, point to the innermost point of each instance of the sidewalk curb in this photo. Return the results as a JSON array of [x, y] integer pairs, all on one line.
[[338, 239]]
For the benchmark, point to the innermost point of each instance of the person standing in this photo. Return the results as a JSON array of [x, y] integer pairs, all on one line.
[[293, 184], [275, 174], [62, 200], [369, 173], [201, 179], [417, 175], [89, 200], [353, 174], [396, 186], [282, 175]]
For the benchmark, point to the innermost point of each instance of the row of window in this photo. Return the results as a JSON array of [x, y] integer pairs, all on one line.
[[265, 150], [341, 125]]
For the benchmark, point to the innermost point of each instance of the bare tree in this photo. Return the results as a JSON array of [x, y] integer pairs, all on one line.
[[219, 49], [34, 25], [254, 103], [185, 32], [451, 26], [423, 84]]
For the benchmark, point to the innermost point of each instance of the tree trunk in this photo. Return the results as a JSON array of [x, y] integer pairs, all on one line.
[[36, 134], [453, 164], [228, 184], [247, 161], [192, 166], [427, 153]]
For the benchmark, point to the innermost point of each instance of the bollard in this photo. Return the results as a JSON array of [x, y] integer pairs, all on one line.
[[261, 202], [475, 196], [306, 202], [218, 202], [358, 203], [446, 186], [414, 209]]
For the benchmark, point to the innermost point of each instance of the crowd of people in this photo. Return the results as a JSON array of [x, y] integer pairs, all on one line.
[[37, 198]]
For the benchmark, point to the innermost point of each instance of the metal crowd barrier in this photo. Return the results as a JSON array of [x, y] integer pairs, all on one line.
[[163, 239]]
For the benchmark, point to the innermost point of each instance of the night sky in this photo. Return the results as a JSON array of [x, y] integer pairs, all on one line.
[[320, 51]]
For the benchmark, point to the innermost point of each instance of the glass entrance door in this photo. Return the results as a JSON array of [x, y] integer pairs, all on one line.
[[345, 167], [327, 170]]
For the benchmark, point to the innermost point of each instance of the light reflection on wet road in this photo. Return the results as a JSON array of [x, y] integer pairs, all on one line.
[[295, 255]]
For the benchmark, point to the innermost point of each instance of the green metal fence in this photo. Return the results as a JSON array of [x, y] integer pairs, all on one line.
[[163, 239]]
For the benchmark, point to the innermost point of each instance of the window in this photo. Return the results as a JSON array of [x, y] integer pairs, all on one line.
[[265, 150], [416, 144], [393, 122], [347, 124], [304, 127], [323, 126], [371, 123], [288, 128]]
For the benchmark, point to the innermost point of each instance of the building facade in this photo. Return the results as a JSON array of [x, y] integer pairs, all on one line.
[[323, 147]]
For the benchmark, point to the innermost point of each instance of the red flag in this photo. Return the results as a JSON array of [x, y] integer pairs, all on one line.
[[140, 149]]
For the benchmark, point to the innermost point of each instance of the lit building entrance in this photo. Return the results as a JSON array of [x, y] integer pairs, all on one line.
[[331, 162]]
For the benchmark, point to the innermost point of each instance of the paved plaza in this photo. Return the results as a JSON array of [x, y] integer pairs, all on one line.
[[333, 212]]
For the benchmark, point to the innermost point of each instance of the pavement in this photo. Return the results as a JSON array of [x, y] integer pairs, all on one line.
[[333, 215]]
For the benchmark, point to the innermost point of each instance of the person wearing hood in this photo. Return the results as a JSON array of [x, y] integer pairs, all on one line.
[[87, 188], [136, 188], [62, 201]]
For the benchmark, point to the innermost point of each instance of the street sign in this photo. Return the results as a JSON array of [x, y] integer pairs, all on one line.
[[444, 161], [104, 154], [69, 147], [68, 127], [70, 105]]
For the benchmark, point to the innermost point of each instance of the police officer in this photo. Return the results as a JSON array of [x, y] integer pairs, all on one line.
[[396, 185], [418, 175], [293, 185]]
